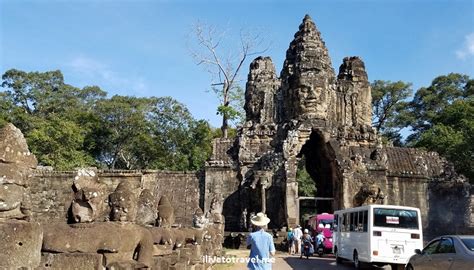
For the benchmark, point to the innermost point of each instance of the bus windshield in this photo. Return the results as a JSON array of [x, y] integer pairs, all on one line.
[[396, 218], [326, 223]]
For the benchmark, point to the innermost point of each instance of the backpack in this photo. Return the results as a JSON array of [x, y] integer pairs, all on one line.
[[290, 236]]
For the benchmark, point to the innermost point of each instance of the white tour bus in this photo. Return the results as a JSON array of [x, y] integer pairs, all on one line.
[[377, 234]]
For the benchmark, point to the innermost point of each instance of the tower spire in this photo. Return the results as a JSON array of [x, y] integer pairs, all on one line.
[[307, 75]]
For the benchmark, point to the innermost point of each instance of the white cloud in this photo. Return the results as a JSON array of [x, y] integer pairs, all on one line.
[[97, 73], [468, 47]]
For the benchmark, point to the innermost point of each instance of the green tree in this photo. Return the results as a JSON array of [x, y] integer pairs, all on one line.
[[429, 102], [452, 135], [389, 108], [59, 143], [48, 111], [68, 127], [441, 117], [306, 185], [121, 126]]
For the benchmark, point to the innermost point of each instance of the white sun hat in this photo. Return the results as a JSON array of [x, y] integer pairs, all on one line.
[[260, 219]]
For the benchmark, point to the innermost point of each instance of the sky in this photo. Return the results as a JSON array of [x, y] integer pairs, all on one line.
[[142, 48]]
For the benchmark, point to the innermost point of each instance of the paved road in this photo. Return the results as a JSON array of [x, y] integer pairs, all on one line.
[[286, 262]]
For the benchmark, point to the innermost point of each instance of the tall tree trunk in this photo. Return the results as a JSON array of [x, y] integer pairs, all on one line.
[[225, 124]]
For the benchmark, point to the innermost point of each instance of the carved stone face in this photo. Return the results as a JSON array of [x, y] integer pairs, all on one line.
[[123, 204], [82, 212], [199, 219], [309, 101], [254, 105], [89, 197], [11, 196]]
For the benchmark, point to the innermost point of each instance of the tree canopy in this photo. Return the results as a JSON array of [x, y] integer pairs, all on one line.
[[439, 117], [68, 127]]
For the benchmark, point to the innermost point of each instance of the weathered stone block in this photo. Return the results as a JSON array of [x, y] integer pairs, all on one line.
[[174, 257], [197, 266], [20, 244], [71, 261], [178, 266], [122, 239], [160, 250], [161, 263]]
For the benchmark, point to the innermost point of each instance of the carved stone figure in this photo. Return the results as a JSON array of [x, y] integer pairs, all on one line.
[[147, 211], [118, 242], [16, 163], [199, 219], [307, 75], [260, 91], [369, 194], [89, 197], [243, 220], [215, 212], [354, 89], [166, 216], [123, 203], [20, 241]]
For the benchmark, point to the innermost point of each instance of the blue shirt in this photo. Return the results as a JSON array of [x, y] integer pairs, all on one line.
[[319, 238], [261, 244]]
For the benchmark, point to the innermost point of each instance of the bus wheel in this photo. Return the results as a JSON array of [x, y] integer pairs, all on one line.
[[356, 260], [336, 253], [409, 267]]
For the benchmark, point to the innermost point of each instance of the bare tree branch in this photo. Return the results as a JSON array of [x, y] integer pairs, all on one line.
[[224, 63]]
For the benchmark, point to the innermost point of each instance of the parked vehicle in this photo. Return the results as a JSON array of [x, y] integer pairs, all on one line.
[[323, 223], [450, 252], [377, 234]]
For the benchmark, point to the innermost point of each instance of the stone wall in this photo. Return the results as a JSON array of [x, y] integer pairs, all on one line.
[[51, 191]]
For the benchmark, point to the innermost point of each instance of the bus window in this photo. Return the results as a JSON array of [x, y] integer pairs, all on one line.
[[365, 220], [336, 222], [396, 218], [353, 222], [345, 223], [360, 221]]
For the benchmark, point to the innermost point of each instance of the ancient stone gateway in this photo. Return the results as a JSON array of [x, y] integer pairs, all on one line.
[[309, 112]]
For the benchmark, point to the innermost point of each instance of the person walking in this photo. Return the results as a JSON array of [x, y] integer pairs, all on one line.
[[319, 239], [297, 234], [261, 244], [291, 242], [306, 240]]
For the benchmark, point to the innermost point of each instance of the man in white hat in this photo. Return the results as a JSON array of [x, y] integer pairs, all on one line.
[[261, 242]]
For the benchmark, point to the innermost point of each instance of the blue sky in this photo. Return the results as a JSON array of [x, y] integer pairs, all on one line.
[[140, 48]]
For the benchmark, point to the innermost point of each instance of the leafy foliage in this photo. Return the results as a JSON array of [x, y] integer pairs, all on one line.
[[429, 102], [452, 135], [68, 127], [440, 117], [388, 104], [306, 185]]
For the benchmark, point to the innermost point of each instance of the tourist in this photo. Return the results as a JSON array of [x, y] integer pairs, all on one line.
[[261, 244], [291, 242], [306, 239], [319, 239], [297, 234]]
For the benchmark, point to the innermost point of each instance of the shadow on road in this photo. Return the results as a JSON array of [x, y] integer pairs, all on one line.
[[317, 263]]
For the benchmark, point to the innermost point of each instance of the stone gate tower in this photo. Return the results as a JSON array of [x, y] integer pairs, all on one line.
[[308, 113]]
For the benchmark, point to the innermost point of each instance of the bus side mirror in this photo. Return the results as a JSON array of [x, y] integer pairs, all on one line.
[[418, 251]]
